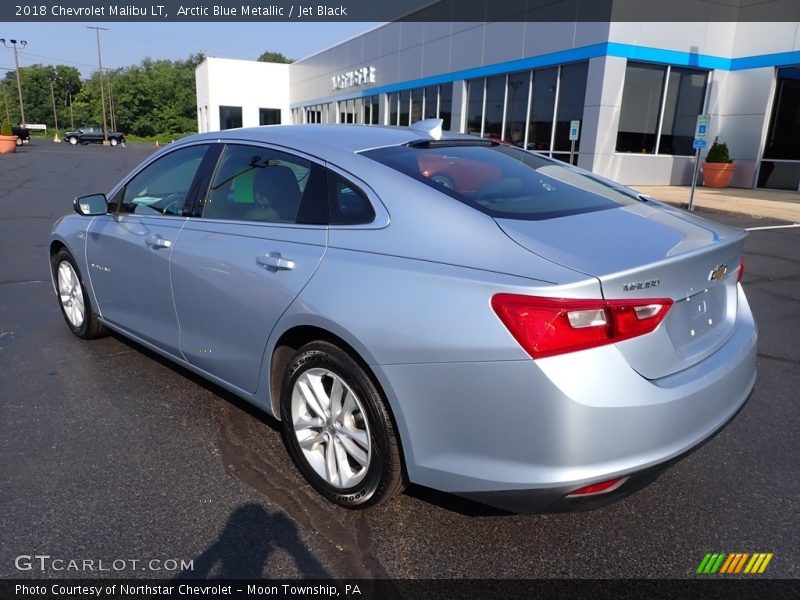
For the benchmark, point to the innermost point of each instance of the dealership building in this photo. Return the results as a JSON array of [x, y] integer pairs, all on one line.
[[636, 88]]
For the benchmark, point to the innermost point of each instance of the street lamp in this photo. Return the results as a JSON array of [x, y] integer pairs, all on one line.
[[22, 44]]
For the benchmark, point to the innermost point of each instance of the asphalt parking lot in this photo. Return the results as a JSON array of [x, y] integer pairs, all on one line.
[[108, 452]]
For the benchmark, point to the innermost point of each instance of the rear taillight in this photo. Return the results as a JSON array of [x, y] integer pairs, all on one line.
[[741, 268], [550, 326]]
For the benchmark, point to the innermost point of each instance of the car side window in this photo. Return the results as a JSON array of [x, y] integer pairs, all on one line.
[[264, 185], [348, 203], [161, 187]]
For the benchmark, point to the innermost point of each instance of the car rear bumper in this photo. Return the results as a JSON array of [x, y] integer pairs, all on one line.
[[524, 434]]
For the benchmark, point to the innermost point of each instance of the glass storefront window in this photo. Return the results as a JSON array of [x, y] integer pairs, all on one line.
[[571, 95], [784, 127], [642, 127], [416, 105], [430, 102], [540, 124], [405, 97], [495, 99], [375, 115], [517, 109], [641, 102], [393, 109], [445, 104], [686, 93], [475, 106]]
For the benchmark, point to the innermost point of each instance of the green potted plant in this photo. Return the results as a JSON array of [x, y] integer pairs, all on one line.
[[8, 141], [718, 168]]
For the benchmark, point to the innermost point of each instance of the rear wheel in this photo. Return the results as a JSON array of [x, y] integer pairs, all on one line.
[[73, 298], [337, 428], [114, 141], [19, 141]]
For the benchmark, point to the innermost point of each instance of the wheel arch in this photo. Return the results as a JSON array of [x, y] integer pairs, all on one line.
[[293, 338]]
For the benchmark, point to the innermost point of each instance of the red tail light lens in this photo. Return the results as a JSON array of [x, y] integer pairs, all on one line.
[[603, 487], [550, 326], [741, 268]]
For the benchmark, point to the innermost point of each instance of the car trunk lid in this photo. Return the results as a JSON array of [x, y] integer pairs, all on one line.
[[650, 251]]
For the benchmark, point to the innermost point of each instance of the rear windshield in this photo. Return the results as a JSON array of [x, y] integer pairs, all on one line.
[[502, 181]]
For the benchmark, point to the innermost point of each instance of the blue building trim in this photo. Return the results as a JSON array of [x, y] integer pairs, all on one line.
[[551, 59]]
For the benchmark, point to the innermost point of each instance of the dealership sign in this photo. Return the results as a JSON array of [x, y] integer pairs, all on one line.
[[360, 76]]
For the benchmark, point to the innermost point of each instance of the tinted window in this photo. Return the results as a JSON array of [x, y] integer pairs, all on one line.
[[230, 117], [348, 204], [259, 184], [641, 102], [161, 188], [503, 181], [269, 116], [784, 127]]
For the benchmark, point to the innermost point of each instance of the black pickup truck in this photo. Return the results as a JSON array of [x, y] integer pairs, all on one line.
[[92, 135], [23, 134]]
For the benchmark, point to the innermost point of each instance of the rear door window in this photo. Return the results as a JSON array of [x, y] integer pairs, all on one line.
[[253, 183], [502, 181]]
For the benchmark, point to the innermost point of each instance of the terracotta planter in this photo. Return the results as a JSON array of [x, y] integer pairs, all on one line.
[[717, 175], [8, 144]]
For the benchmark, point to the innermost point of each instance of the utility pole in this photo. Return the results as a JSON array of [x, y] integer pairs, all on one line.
[[55, 113], [71, 116], [8, 113], [102, 91], [111, 105], [22, 44]]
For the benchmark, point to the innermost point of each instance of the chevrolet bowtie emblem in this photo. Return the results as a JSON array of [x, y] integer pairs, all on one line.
[[718, 273]]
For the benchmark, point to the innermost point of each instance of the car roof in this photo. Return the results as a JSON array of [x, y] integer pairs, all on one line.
[[311, 138]]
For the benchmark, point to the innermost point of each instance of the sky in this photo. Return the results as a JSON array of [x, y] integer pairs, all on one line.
[[126, 44]]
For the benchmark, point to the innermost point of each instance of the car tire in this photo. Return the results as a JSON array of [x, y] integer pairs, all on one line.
[[19, 141], [73, 140], [337, 428], [76, 307], [113, 141]]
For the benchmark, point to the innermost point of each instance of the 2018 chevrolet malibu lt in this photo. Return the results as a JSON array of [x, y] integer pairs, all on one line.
[[423, 308]]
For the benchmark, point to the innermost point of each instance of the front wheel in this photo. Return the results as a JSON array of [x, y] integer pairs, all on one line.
[[73, 140], [337, 428], [73, 298]]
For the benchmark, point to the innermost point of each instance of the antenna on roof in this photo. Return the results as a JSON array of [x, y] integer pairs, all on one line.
[[433, 127]]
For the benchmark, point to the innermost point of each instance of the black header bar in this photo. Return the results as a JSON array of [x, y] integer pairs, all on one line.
[[408, 10]]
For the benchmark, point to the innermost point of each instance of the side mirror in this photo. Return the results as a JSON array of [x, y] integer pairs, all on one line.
[[90, 206]]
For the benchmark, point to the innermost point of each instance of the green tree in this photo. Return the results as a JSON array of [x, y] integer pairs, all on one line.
[[274, 57], [36, 92]]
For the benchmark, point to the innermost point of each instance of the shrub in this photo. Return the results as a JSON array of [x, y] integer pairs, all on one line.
[[718, 153], [5, 128]]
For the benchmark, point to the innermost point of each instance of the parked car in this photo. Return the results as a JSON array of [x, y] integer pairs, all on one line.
[[92, 135], [546, 340], [23, 134]]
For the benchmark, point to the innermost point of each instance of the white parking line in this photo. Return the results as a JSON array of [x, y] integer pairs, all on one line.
[[772, 227]]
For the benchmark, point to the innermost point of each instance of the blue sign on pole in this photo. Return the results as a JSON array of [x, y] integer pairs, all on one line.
[[699, 144]]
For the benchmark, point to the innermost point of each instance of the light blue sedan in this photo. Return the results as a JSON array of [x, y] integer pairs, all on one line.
[[423, 308]]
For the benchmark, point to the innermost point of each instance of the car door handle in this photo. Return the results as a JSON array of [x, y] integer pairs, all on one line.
[[275, 261], [156, 241]]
